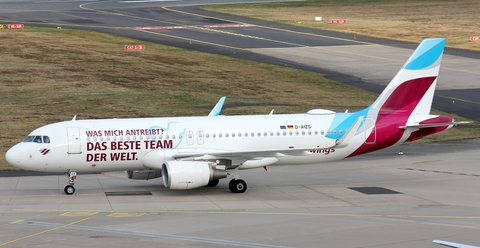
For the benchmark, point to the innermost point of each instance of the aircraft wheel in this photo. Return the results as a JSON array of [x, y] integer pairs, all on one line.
[[69, 190], [237, 186], [213, 183]]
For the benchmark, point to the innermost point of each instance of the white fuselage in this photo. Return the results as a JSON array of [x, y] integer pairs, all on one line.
[[121, 144]]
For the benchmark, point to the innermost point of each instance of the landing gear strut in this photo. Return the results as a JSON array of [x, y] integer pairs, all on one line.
[[69, 189]]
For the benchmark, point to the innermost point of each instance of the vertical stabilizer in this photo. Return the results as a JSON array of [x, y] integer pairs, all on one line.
[[412, 89], [406, 101]]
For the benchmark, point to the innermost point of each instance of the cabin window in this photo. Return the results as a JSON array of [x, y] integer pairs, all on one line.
[[334, 131], [271, 133], [233, 135], [128, 138], [161, 136], [121, 138], [114, 138], [322, 132], [296, 133], [173, 136], [303, 132], [94, 139], [208, 135], [214, 135], [341, 132], [290, 133], [278, 133], [220, 135], [259, 134], [246, 134], [284, 133], [166, 136], [252, 134], [239, 134], [316, 132]]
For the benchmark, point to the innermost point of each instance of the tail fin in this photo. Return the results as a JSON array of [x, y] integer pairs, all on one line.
[[402, 112], [412, 89]]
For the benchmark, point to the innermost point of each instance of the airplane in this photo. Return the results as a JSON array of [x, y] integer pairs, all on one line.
[[452, 244], [192, 152]]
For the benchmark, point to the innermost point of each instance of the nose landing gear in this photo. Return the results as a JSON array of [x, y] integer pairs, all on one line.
[[69, 189]]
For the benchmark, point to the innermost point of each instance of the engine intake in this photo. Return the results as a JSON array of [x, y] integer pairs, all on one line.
[[183, 175]]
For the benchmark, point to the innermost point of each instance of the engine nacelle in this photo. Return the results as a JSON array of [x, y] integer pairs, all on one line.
[[182, 175], [143, 174]]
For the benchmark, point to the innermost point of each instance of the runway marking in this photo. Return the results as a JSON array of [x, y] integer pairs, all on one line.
[[15, 222], [161, 28], [126, 214], [138, 233], [229, 26], [187, 39], [79, 213], [442, 172], [147, 1], [457, 99], [279, 29], [42, 232]]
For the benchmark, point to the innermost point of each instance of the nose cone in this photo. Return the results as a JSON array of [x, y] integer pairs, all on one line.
[[13, 156]]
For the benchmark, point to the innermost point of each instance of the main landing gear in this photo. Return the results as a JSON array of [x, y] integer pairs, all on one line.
[[69, 189], [236, 185]]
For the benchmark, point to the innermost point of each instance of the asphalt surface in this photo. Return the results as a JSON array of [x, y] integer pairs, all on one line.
[[364, 62], [380, 199]]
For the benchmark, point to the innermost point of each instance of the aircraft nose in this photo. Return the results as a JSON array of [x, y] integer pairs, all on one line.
[[12, 156]]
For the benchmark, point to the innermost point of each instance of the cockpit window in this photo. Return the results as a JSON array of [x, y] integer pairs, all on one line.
[[37, 139]]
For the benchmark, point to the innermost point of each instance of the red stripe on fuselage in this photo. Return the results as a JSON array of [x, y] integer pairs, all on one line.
[[395, 112]]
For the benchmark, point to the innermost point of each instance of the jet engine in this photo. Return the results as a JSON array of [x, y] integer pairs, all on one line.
[[143, 174], [182, 175]]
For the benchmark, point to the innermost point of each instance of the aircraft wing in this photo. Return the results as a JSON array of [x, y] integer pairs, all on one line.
[[453, 245], [245, 154]]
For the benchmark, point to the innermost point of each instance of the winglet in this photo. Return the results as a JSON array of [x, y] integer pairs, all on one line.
[[345, 140], [451, 244], [218, 107], [74, 118]]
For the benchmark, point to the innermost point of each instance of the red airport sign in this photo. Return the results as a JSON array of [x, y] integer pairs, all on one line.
[[338, 21], [16, 26], [134, 47], [474, 38]]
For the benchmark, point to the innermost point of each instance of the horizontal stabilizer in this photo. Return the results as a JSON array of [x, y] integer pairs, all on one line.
[[420, 126]]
